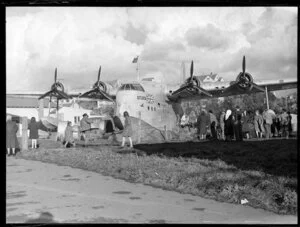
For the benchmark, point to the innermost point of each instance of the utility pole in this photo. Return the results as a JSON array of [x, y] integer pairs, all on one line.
[[267, 97], [24, 134], [137, 70]]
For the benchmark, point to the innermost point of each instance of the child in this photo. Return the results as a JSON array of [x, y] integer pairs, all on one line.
[[127, 130], [69, 140], [33, 132]]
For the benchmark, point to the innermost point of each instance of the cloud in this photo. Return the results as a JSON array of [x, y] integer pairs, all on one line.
[[135, 35], [154, 51], [77, 40], [208, 37]]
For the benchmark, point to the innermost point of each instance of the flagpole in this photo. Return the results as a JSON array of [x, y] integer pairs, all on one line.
[[137, 69]]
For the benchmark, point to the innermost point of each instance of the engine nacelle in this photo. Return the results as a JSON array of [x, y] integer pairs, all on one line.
[[244, 82], [101, 85], [59, 86], [195, 81]]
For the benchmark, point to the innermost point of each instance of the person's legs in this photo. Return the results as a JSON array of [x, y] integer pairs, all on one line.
[[8, 151], [286, 131], [13, 151], [130, 142], [268, 128], [247, 135], [34, 143], [222, 131], [123, 142]]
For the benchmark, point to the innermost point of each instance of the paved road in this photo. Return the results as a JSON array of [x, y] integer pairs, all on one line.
[[74, 196]]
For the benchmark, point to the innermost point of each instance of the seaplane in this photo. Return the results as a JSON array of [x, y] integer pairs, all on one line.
[[159, 105]]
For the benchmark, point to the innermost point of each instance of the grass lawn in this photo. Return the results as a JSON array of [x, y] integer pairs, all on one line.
[[263, 172]]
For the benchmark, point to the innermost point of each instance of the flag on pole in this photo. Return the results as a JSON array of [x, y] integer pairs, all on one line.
[[135, 59]]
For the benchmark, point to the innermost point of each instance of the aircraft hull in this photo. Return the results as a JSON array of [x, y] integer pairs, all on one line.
[[50, 123]]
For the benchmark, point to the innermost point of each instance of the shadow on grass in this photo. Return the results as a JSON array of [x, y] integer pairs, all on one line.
[[276, 157]]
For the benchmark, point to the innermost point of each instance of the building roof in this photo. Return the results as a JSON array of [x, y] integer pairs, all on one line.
[[25, 102], [212, 76]]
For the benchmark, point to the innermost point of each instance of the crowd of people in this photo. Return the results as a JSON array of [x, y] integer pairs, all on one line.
[[238, 124], [229, 125]]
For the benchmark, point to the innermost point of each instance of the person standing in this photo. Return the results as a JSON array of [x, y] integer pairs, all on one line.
[[213, 124], [229, 126], [284, 123], [184, 120], [245, 125], [193, 119], [258, 124], [277, 125], [202, 125], [239, 137], [69, 139], [222, 124], [85, 126], [268, 119], [33, 128], [127, 132], [237, 129], [290, 129], [11, 136]]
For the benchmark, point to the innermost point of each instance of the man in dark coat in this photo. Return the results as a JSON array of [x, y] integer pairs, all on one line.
[[213, 124], [238, 134], [11, 137], [203, 123]]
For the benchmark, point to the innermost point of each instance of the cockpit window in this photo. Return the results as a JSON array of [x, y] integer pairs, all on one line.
[[135, 87]]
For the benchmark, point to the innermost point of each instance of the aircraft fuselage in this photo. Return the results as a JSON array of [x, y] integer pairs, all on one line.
[[149, 104]]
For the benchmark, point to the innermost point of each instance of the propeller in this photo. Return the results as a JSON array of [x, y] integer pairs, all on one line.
[[244, 65], [191, 78], [99, 73], [192, 71], [244, 80], [55, 75]]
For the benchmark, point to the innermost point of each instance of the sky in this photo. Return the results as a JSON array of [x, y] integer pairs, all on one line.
[[77, 40]]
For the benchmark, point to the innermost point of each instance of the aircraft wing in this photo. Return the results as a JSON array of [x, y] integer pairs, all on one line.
[[223, 89], [55, 93], [97, 93]]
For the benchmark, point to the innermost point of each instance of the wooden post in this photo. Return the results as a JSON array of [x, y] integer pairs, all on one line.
[[139, 130], [41, 109], [166, 134], [267, 97], [24, 134]]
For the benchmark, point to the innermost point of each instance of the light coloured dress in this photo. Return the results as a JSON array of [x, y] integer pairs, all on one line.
[[127, 128]]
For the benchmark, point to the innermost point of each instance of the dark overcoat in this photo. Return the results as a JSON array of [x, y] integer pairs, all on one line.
[[229, 126], [33, 130], [203, 121], [11, 137]]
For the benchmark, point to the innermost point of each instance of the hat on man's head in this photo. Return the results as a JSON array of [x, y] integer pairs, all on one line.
[[85, 114]]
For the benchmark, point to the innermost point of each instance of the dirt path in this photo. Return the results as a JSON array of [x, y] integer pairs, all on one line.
[[73, 195]]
